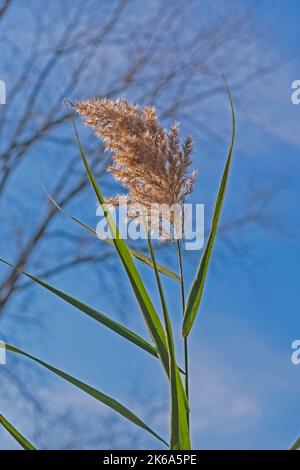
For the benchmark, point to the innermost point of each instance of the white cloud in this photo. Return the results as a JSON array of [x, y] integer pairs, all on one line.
[[219, 399]]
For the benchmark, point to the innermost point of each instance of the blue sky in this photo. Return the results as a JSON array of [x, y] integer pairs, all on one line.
[[244, 387]]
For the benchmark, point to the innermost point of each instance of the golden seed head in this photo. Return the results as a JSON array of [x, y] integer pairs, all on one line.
[[149, 161]]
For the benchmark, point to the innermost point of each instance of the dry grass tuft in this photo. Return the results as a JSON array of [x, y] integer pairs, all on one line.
[[150, 162]]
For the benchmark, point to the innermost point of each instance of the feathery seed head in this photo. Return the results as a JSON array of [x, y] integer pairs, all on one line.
[[149, 161]]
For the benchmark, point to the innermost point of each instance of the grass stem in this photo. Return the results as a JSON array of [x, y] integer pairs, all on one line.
[[186, 356]]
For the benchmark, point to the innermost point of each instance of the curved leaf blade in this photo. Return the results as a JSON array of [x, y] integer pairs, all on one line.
[[150, 316], [196, 291], [296, 445], [16, 434], [135, 253], [91, 312], [180, 435], [105, 399]]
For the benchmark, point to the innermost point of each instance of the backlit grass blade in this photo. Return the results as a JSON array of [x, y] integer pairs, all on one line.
[[136, 254], [196, 291], [150, 316], [105, 399], [96, 315], [15, 434], [179, 436], [296, 445]]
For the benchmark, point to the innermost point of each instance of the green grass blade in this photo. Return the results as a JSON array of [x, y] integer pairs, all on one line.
[[95, 314], [179, 436], [185, 340], [135, 253], [296, 445], [196, 291], [15, 434], [150, 316], [105, 399]]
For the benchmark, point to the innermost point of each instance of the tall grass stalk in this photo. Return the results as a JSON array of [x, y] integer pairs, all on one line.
[[152, 164], [185, 340]]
